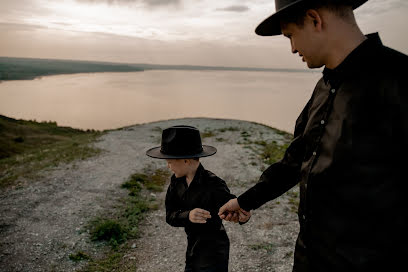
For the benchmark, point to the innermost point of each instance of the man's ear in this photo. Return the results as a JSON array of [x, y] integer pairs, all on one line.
[[313, 16]]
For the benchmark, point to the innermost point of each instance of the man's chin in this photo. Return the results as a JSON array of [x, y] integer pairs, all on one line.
[[313, 65]]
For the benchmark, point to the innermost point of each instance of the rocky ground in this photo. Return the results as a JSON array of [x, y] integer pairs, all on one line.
[[43, 222]]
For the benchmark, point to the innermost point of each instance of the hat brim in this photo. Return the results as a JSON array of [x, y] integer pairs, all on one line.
[[271, 25], [157, 154]]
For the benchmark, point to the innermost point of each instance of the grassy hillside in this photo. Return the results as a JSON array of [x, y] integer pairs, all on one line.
[[28, 146], [25, 68]]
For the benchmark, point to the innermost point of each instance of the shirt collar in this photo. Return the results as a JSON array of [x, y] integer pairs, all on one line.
[[354, 62], [198, 174]]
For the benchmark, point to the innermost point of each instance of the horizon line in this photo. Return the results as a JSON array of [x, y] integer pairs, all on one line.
[[151, 66]]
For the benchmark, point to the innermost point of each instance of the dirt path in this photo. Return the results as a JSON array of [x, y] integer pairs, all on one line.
[[42, 223]]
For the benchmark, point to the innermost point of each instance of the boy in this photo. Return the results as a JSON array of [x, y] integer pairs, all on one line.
[[194, 197]]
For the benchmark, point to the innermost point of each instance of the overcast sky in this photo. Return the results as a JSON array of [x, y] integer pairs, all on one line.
[[196, 32]]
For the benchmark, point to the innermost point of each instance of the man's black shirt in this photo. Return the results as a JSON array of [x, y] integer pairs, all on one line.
[[349, 154]]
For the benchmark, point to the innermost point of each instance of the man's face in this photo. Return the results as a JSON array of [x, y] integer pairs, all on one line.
[[305, 41], [178, 166]]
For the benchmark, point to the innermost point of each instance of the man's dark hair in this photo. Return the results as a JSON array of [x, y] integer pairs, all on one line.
[[297, 14]]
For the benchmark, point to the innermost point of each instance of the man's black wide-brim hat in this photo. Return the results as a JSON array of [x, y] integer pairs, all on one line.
[[181, 142], [271, 25]]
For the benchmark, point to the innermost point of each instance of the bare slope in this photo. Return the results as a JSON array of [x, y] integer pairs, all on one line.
[[43, 223]]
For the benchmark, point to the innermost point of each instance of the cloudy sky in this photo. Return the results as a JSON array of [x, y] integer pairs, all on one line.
[[196, 32]]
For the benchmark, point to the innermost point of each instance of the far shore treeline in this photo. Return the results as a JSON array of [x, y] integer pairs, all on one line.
[[24, 68], [30, 68]]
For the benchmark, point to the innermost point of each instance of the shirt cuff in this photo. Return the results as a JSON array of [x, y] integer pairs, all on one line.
[[244, 202], [242, 223], [184, 216]]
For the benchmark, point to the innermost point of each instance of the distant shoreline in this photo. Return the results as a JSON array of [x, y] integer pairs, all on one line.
[[31, 68]]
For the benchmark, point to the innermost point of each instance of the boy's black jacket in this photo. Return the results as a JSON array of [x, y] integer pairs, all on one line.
[[207, 243]]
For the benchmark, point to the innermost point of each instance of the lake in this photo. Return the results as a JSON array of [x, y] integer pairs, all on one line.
[[112, 100]]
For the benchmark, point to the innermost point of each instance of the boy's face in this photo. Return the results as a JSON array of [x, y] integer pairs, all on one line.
[[178, 166]]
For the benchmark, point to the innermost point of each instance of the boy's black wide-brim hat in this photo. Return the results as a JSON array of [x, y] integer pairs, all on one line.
[[181, 142], [271, 25]]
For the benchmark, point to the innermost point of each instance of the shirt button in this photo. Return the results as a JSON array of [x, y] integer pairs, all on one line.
[[314, 153], [304, 217], [333, 90], [322, 122], [306, 186]]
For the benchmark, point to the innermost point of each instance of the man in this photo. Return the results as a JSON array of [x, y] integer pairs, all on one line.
[[349, 146]]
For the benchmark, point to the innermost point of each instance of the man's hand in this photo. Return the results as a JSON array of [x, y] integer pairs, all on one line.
[[229, 211], [198, 215], [244, 216]]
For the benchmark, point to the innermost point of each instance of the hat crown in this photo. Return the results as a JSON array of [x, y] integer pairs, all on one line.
[[279, 4], [181, 141], [271, 25]]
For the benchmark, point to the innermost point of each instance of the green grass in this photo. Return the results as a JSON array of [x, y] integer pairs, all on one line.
[[228, 129], [153, 181], [270, 248], [26, 147], [214, 132], [123, 224], [79, 256], [273, 152], [18, 136], [293, 200], [109, 230], [207, 134], [288, 255]]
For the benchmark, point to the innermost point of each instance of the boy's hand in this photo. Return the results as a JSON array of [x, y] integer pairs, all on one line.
[[244, 216], [199, 216]]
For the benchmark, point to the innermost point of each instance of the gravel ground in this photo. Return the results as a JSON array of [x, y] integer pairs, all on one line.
[[42, 223]]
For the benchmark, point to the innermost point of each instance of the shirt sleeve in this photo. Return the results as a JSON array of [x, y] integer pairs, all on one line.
[[222, 194], [213, 200], [175, 215], [281, 176]]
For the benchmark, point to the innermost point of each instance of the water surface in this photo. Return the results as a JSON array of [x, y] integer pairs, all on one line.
[[113, 100]]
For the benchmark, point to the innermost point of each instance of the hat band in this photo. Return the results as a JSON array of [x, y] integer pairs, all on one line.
[[181, 151]]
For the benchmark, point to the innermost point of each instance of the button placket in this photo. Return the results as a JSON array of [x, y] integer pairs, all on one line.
[[324, 118]]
